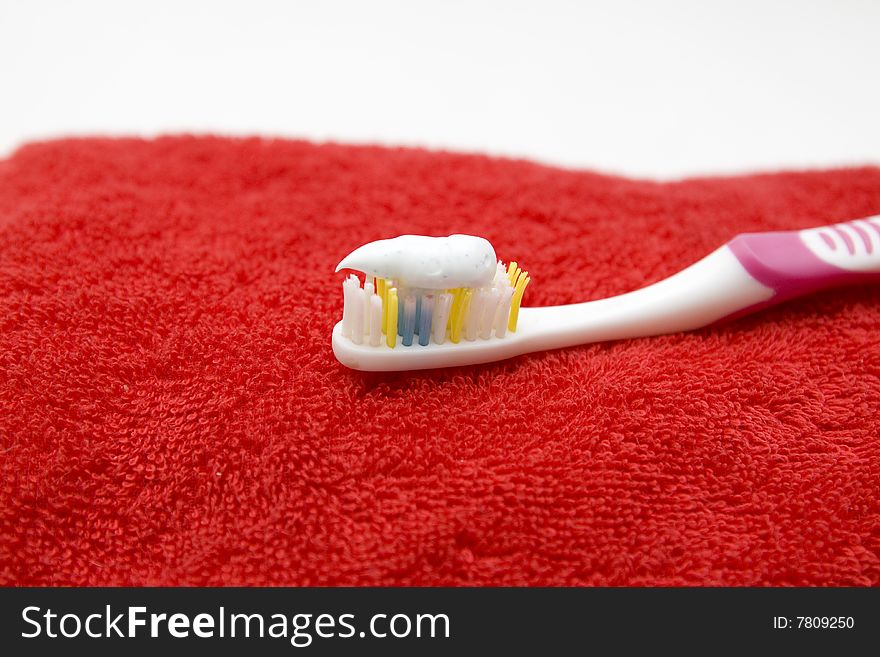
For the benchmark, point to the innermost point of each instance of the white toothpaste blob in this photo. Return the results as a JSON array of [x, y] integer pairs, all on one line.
[[433, 263]]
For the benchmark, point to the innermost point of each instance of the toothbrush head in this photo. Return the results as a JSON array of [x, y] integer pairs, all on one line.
[[398, 317]]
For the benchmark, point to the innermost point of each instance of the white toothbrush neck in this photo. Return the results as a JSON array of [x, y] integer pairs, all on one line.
[[709, 290]]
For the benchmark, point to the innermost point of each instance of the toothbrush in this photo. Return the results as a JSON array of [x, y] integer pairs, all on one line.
[[390, 326]]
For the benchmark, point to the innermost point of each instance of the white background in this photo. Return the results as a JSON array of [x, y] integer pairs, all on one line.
[[658, 89]]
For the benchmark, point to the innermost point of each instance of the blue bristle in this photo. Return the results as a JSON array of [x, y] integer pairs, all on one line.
[[400, 308], [418, 314], [425, 305], [409, 321]]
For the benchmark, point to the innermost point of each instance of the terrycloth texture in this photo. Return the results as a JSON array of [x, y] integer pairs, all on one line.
[[171, 411]]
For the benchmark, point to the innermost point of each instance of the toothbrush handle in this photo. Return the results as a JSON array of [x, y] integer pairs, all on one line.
[[751, 272], [794, 263]]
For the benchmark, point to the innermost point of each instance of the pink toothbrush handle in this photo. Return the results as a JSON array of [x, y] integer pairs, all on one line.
[[794, 263]]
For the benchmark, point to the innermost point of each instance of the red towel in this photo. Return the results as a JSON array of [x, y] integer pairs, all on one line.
[[171, 411]]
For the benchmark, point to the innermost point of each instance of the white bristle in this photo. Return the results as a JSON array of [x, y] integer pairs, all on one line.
[[427, 314], [346, 311], [502, 315], [500, 274], [442, 306], [375, 320], [490, 307], [357, 315], [368, 292], [350, 287], [472, 318]]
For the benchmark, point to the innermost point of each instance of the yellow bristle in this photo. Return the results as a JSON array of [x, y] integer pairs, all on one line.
[[456, 300], [384, 295], [521, 283], [511, 268], [457, 317], [391, 335]]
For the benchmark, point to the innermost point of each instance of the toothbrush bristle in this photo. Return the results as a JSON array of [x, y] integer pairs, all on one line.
[[384, 310]]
